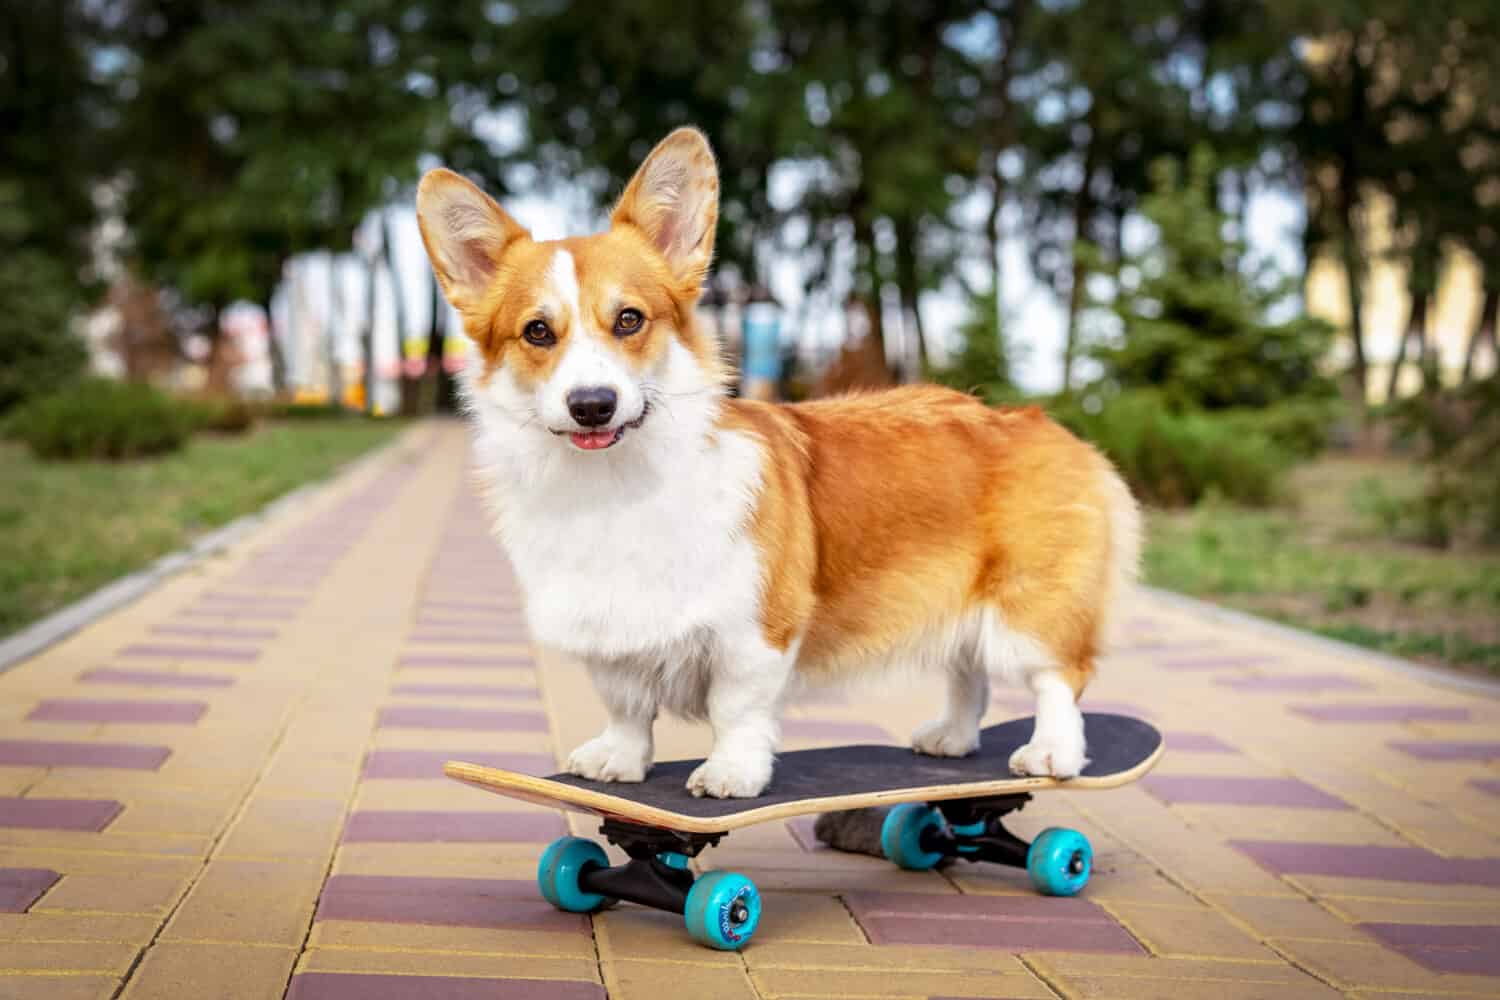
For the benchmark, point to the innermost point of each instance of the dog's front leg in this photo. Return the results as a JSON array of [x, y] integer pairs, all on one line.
[[744, 705], [623, 752]]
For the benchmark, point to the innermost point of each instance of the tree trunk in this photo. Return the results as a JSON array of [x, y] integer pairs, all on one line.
[[865, 255], [1484, 331], [372, 264], [909, 285], [1083, 212], [330, 334], [443, 399], [1416, 326], [398, 302], [1351, 247]]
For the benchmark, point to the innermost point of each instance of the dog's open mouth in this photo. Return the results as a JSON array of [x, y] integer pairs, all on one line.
[[599, 440]]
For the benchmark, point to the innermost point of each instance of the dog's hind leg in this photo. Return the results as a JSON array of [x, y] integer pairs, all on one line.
[[956, 732]]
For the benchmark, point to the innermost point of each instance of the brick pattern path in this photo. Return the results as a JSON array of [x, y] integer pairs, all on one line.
[[232, 788]]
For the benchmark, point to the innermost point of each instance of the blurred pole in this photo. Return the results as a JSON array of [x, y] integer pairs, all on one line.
[[330, 334], [762, 339]]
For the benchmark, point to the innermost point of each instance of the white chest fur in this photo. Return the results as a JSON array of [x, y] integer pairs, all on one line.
[[629, 552]]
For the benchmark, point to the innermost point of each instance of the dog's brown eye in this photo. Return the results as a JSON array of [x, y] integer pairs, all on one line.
[[628, 322], [539, 333]]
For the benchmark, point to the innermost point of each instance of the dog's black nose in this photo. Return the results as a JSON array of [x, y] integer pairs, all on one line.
[[594, 406]]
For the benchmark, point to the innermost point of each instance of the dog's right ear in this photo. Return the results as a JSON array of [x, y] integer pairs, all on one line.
[[465, 232]]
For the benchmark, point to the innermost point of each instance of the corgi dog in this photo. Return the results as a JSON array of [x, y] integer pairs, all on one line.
[[709, 556]]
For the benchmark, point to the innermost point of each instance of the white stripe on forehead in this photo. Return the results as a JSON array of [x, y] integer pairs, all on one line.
[[562, 277]]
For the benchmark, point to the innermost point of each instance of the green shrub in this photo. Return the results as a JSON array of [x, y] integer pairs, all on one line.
[[285, 410], [101, 418], [221, 416], [1176, 459], [39, 352], [1303, 427]]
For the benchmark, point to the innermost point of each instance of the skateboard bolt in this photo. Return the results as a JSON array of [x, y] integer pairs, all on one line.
[[1075, 863], [738, 913]]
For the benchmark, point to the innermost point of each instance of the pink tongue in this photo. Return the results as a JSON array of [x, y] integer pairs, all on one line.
[[593, 441]]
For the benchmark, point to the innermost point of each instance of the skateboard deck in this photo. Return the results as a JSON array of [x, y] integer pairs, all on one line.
[[833, 778]]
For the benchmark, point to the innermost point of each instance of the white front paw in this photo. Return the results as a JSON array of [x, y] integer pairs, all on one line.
[[602, 759], [941, 738], [722, 778], [1049, 759]]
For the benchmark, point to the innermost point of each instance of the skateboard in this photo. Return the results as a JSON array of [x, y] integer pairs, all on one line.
[[945, 809]]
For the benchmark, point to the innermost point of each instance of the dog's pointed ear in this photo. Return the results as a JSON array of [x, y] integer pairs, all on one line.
[[674, 200], [465, 232]]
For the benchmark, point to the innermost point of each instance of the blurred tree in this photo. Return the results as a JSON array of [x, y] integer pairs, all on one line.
[[48, 120], [1193, 316], [248, 132]]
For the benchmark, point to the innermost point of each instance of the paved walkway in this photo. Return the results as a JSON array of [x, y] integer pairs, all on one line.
[[232, 788]]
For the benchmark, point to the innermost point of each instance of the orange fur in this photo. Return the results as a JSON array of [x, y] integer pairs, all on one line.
[[882, 514]]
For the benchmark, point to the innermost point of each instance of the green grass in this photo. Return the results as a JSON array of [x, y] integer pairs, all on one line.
[[67, 528], [1328, 565]]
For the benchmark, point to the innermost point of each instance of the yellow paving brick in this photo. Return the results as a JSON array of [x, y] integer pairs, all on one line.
[[429, 963], [111, 958], [1188, 931], [1408, 911], [633, 980], [240, 918], [803, 917], [130, 928], [293, 828], [120, 843], [1335, 888], [830, 881], [15, 780], [336, 934], [150, 894], [1286, 917], [173, 969], [1104, 988], [634, 932], [804, 983], [1350, 965], [403, 738], [1152, 974], [1330, 826], [57, 987], [84, 862], [482, 860], [882, 958]]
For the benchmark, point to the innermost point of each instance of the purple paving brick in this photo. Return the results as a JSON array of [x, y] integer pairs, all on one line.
[[1466, 949], [1400, 712], [20, 887], [47, 753], [379, 986], [449, 902], [468, 638], [472, 605], [434, 717], [429, 763], [190, 651], [1369, 861], [237, 614], [459, 660], [88, 815], [432, 826], [1011, 923], [1286, 793], [229, 597], [153, 678], [1449, 749], [1214, 663], [215, 632], [1490, 785], [467, 690], [1195, 742], [182, 713], [1301, 683], [801, 830], [834, 729]]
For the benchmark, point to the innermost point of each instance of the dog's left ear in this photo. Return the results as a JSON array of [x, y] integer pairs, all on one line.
[[674, 200]]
